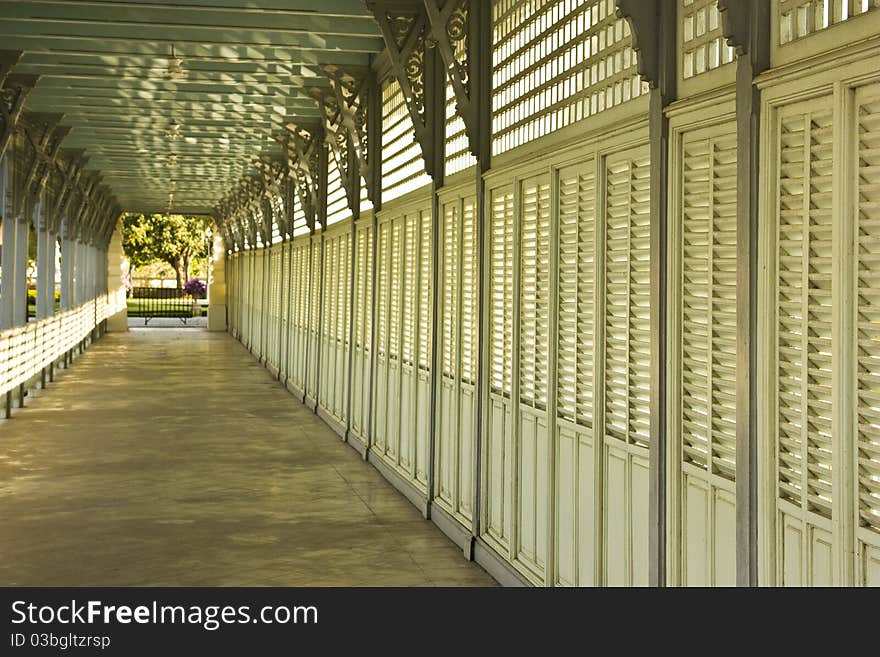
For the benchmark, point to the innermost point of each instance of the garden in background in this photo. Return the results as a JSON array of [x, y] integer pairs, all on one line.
[[169, 264]]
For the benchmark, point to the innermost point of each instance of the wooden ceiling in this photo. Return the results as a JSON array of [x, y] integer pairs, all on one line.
[[247, 63]]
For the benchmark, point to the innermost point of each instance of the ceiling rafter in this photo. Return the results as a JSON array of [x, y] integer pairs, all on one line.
[[249, 66]]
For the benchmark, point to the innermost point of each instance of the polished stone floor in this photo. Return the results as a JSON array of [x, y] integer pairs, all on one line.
[[172, 458]]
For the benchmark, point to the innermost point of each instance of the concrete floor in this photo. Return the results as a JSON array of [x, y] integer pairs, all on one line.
[[172, 458]]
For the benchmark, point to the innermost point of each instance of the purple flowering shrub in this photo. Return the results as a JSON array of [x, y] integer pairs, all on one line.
[[195, 288]]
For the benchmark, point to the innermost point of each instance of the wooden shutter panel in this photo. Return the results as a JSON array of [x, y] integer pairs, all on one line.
[[469, 327], [577, 276], [627, 300], [368, 291], [382, 311], [534, 291], [804, 316], [425, 300], [868, 314], [450, 289], [394, 301], [708, 303], [410, 288], [501, 296]]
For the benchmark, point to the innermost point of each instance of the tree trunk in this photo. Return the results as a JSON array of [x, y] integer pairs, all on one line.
[[176, 267]]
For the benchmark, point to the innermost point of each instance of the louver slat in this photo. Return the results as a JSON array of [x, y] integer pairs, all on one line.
[[535, 292], [708, 306], [501, 297], [627, 299], [868, 317], [804, 317], [577, 273]]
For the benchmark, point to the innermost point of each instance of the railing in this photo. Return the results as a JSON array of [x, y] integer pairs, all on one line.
[[26, 350]]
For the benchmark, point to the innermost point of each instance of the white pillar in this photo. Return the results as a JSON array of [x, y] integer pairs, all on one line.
[[92, 280], [68, 267], [217, 289], [7, 291], [19, 279], [45, 266], [81, 273], [117, 265]]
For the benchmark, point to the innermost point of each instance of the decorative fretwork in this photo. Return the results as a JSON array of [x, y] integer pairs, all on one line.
[[12, 95], [31, 152], [451, 25], [272, 175], [352, 88], [303, 157], [405, 29], [69, 166], [801, 18], [338, 138], [48, 156]]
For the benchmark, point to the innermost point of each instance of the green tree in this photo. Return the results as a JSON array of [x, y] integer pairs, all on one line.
[[175, 239]]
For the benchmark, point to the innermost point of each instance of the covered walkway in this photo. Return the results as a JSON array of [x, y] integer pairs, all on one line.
[[595, 284], [170, 457]]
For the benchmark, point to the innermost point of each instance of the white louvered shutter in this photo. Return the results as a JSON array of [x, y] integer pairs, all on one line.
[[450, 262], [804, 313], [868, 317], [469, 326], [343, 337], [708, 302], [394, 336], [315, 319], [534, 292], [577, 277], [410, 288], [501, 295], [367, 285], [425, 292], [382, 284], [627, 299]]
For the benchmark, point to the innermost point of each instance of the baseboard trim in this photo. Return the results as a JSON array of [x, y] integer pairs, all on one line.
[[457, 533], [294, 390], [498, 567], [405, 487], [332, 422], [357, 444]]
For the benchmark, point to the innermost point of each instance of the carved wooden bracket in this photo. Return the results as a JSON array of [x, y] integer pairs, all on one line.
[[353, 88], [339, 140], [31, 145], [68, 166], [274, 174], [46, 153], [12, 96], [452, 24], [8, 59], [304, 157], [405, 29]]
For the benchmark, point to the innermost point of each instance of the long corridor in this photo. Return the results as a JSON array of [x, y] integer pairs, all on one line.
[[170, 457]]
